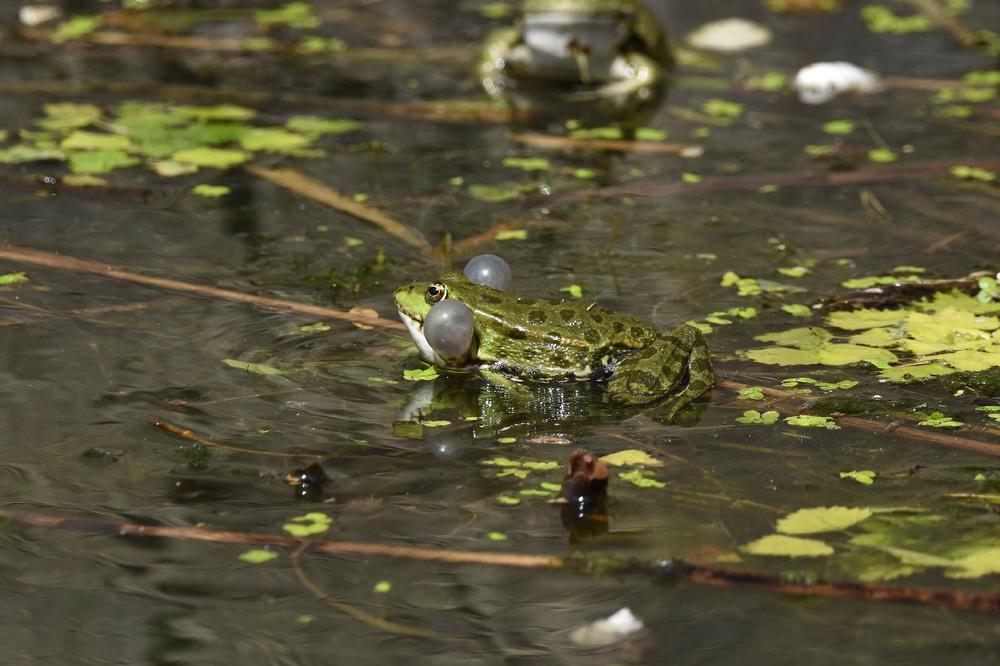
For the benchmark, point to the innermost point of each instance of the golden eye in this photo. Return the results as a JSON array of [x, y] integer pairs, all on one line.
[[434, 293]]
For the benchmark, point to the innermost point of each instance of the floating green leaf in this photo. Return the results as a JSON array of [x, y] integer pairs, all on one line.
[[274, 140], [495, 193], [427, 374], [822, 519], [628, 457], [83, 140], [865, 477], [527, 163], [880, 18], [797, 310], [807, 421], [720, 108], [217, 112], [838, 127], [856, 320], [293, 14], [883, 155], [308, 524], [76, 27], [641, 479], [7, 279], [258, 556], [496, 536], [751, 393], [217, 158], [68, 116], [753, 417], [318, 327], [939, 420], [255, 368], [23, 153], [979, 563], [507, 500], [511, 234], [100, 161], [779, 545], [210, 191], [313, 125], [574, 290]]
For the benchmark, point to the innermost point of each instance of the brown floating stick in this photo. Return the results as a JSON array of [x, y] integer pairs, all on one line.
[[64, 262], [311, 188]]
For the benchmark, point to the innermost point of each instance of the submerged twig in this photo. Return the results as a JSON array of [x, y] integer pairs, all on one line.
[[297, 182], [356, 613], [184, 433], [673, 570], [64, 262], [878, 427], [549, 141]]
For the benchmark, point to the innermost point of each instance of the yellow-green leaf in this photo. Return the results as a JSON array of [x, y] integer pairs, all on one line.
[[785, 546], [258, 556], [255, 368], [822, 519], [631, 457]]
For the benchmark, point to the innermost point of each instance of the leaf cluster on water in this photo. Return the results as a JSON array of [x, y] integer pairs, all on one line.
[[172, 140]]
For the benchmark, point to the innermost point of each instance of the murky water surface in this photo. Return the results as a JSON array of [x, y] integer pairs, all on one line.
[[85, 361]]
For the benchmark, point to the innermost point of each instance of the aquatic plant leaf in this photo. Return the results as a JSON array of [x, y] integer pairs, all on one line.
[[972, 361], [258, 556], [213, 133], [627, 457], [100, 161], [217, 158], [641, 479], [751, 393], [822, 519], [307, 525], [7, 279], [84, 140], [939, 420], [856, 320], [22, 153], [255, 368], [912, 373], [882, 155], [605, 133], [811, 337], [838, 127], [720, 108], [979, 563], [797, 309], [540, 465], [807, 421], [527, 163], [292, 14], [847, 354], [274, 140], [779, 545], [169, 169], [217, 112], [83, 180], [865, 477], [495, 193], [783, 356], [511, 234], [316, 125], [427, 374], [574, 291], [753, 417], [877, 337], [68, 116], [507, 500], [75, 28], [794, 271], [435, 424]]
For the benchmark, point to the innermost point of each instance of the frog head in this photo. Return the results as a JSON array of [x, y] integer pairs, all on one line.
[[415, 300]]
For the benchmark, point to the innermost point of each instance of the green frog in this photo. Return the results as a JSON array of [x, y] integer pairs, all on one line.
[[540, 340], [617, 47]]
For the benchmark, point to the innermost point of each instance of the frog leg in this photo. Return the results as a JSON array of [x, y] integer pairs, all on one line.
[[654, 372]]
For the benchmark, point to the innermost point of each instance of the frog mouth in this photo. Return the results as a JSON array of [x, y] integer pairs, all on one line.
[[416, 329]]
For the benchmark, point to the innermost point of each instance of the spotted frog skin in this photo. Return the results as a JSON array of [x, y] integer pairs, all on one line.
[[616, 46], [560, 340]]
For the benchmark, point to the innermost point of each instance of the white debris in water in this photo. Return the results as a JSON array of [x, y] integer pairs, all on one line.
[[607, 630], [32, 15], [729, 35], [822, 81]]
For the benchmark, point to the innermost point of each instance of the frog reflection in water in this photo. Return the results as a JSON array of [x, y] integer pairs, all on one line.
[[616, 47], [538, 340]]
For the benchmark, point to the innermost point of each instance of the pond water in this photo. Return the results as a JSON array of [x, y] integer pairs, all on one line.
[[86, 361]]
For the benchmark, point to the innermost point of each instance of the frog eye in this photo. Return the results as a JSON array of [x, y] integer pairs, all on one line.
[[434, 293]]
